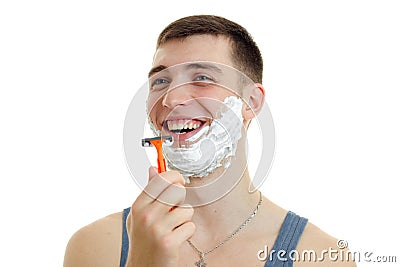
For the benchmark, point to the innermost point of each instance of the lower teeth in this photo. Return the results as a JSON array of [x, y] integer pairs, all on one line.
[[182, 131]]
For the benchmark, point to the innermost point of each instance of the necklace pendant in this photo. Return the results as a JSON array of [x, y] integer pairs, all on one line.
[[201, 262]]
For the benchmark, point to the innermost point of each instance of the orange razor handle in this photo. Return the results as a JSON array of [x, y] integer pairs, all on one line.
[[160, 157]]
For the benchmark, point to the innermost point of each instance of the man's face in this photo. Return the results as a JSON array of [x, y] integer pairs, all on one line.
[[183, 93]]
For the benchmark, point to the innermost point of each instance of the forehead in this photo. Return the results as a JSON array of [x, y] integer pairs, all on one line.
[[194, 48]]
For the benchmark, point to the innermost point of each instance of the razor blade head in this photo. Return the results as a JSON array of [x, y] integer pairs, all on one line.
[[167, 140]]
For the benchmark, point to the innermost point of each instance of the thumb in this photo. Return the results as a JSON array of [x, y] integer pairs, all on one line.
[[152, 172]]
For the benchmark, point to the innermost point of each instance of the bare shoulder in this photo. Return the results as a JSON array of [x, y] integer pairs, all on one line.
[[97, 244], [317, 248]]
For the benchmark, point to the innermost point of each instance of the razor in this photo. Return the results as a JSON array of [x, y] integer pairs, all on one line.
[[157, 142]]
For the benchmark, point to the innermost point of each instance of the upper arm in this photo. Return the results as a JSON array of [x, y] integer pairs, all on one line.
[[78, 251], [98, 244]]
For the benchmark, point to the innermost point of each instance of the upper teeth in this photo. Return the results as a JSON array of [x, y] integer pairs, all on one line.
[[182, 124]]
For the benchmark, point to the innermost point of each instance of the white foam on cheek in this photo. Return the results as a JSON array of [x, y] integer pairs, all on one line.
[[214, 144], [198, 134], [153, 127]]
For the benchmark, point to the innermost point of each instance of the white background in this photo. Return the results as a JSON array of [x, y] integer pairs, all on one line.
[[68, 71]]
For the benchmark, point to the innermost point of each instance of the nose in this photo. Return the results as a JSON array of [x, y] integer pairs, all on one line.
[[177, 97]]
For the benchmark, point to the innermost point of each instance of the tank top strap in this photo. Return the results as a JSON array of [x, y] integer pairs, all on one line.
[[125, 238], [282, 252]]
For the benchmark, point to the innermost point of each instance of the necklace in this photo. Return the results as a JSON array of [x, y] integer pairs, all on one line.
[[202, 254]]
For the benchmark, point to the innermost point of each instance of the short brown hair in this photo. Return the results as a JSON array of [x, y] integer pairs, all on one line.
[[245, 53]]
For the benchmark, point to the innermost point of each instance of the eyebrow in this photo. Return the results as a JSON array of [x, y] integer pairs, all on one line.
[[208, 66], [156, 69], [197, 65]]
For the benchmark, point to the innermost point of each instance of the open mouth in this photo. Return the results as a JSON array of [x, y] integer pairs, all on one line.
[[183, 128]]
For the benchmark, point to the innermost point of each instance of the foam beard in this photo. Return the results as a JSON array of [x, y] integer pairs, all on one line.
[[210, 148]]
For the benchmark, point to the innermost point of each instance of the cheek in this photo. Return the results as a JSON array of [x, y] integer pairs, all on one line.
[[152, 101], [214, 92], [153, 107]]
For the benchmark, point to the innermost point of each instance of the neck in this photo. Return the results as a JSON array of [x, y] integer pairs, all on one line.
[[228, 200], [222, 183], [222, 202], [217, 220]]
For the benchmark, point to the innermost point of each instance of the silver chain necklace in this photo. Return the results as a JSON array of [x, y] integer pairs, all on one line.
[[202, 254]]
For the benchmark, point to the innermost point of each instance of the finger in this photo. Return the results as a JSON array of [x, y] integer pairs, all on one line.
[[162, 181], [177, 217], [183, 232], [157, 210], [152, 172], [174, 195], [157, 184]]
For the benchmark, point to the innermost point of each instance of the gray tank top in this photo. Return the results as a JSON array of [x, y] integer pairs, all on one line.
[[288, 237]]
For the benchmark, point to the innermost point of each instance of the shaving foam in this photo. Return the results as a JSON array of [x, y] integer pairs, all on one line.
[[211, 147]]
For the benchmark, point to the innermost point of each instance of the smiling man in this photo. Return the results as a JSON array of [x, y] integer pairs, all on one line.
[[205, 87]]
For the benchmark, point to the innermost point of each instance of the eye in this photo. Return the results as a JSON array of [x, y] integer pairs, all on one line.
[[159, 83], [203, 78]]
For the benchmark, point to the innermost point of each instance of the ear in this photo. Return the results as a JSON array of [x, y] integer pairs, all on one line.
[[254, 96]]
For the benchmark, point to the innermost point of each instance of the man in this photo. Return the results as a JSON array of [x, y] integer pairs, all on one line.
[[176, 220]]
